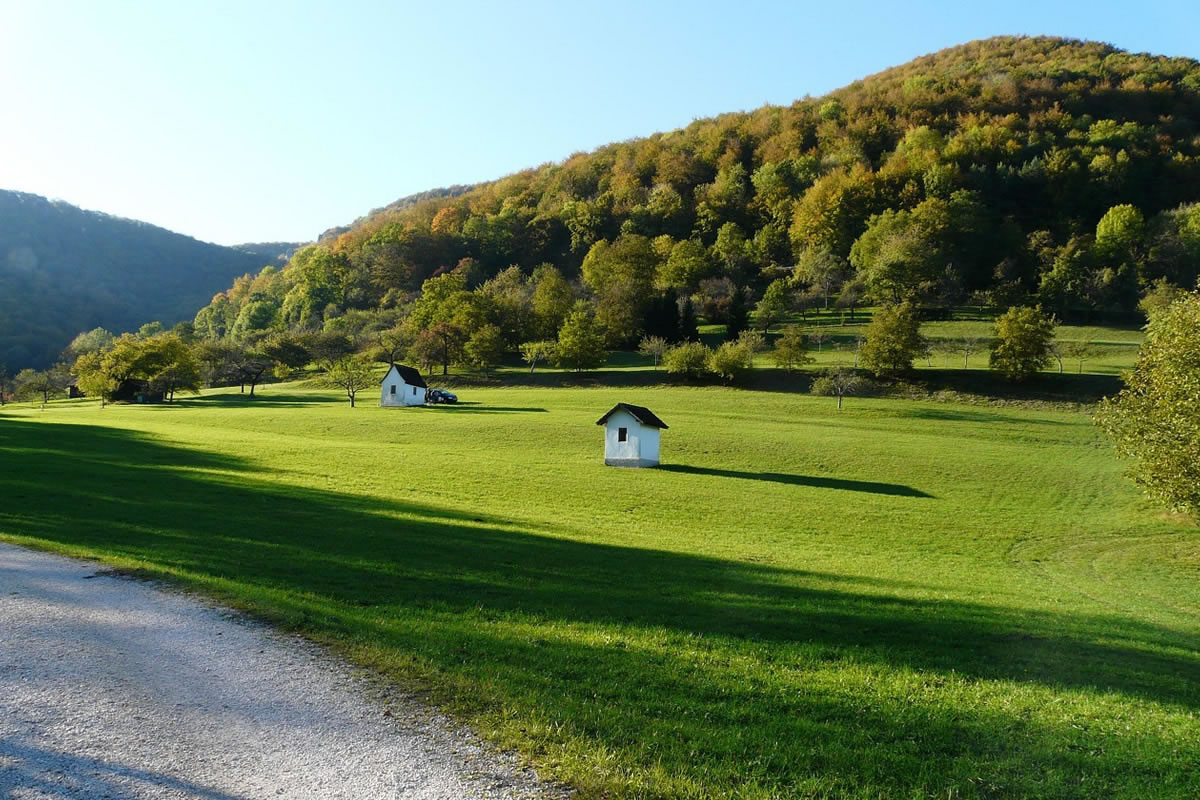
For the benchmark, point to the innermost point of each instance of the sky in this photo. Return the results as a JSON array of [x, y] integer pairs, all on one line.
[[252, 120]]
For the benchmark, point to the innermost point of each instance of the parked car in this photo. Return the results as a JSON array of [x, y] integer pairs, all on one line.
[[440, 396]]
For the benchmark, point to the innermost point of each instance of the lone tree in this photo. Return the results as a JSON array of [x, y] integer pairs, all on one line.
[[351, 374], [1155, 419], [893, 340], [839, 382], [1080, 352], [1022, 346], [968, 346], [653, 346]]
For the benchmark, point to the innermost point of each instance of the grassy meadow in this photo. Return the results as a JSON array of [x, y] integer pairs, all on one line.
[[904, 599]]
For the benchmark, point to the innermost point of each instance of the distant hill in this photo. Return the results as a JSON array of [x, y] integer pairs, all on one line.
[[271, 252], [64, 270], [1012, 170]]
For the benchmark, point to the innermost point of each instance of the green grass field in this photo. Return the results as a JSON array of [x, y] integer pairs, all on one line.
[[899, 600]]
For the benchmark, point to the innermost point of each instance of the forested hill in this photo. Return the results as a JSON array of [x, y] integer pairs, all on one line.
[[1011, 170], [64, 270]]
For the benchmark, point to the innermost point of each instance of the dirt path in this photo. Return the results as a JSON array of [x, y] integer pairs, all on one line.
[[113, 688]]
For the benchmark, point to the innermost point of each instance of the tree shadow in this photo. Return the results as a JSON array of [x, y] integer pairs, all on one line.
[[42, 772], [652, 654], [475, 407], [813, 481], [959, 414], [1043, 387], [260, 400]]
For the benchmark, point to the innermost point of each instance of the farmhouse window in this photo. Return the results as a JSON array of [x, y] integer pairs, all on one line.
[[393, 387], [414, 391], [622, 433]]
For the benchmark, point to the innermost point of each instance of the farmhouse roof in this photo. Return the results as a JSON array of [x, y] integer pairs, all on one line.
[[640, 413], [411, 376]]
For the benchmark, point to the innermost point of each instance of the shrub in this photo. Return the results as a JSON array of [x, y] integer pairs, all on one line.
[[688, 359]]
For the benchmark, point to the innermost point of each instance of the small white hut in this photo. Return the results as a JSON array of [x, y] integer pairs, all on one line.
[[631, 436], [402, 386]]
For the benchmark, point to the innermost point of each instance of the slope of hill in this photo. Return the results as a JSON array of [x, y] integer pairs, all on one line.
[[1024, 169], [64, 270], [406, 202]]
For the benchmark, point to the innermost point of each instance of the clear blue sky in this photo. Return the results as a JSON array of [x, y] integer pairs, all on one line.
[[254, 121]]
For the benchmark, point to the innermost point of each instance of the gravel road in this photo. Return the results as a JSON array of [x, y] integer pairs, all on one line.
[[114, 688]]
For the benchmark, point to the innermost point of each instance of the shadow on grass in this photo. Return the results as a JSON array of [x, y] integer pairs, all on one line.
[[1043, 387], [260, 400], [651, 655], [801, 480], [475, 407]]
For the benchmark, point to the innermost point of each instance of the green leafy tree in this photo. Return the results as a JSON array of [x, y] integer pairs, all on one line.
[[97, 340], [1155, 419], [4, 384], [247, 365], [426, 350], [774, 305], [581, 342], [392, 343], [535, 352], [686, 265], [485, 348], [689, 359], [351, 374], [174, 366], [892, 340], [289, 352], [553, 299], [1159, 297], [791, 349], [1022, 342]]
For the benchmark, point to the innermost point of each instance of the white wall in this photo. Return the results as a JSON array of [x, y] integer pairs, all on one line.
[[405, 395], [640, 448]]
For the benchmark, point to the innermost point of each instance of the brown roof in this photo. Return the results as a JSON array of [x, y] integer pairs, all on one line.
[[640, 413]]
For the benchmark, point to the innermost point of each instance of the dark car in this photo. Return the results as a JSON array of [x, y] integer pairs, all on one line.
[[440, 396]]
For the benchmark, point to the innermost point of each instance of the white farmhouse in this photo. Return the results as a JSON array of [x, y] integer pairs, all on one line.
[[402, 386], [631, 436]]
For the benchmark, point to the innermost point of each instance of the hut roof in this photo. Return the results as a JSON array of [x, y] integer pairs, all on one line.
[[411, 376], [640, 413]]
